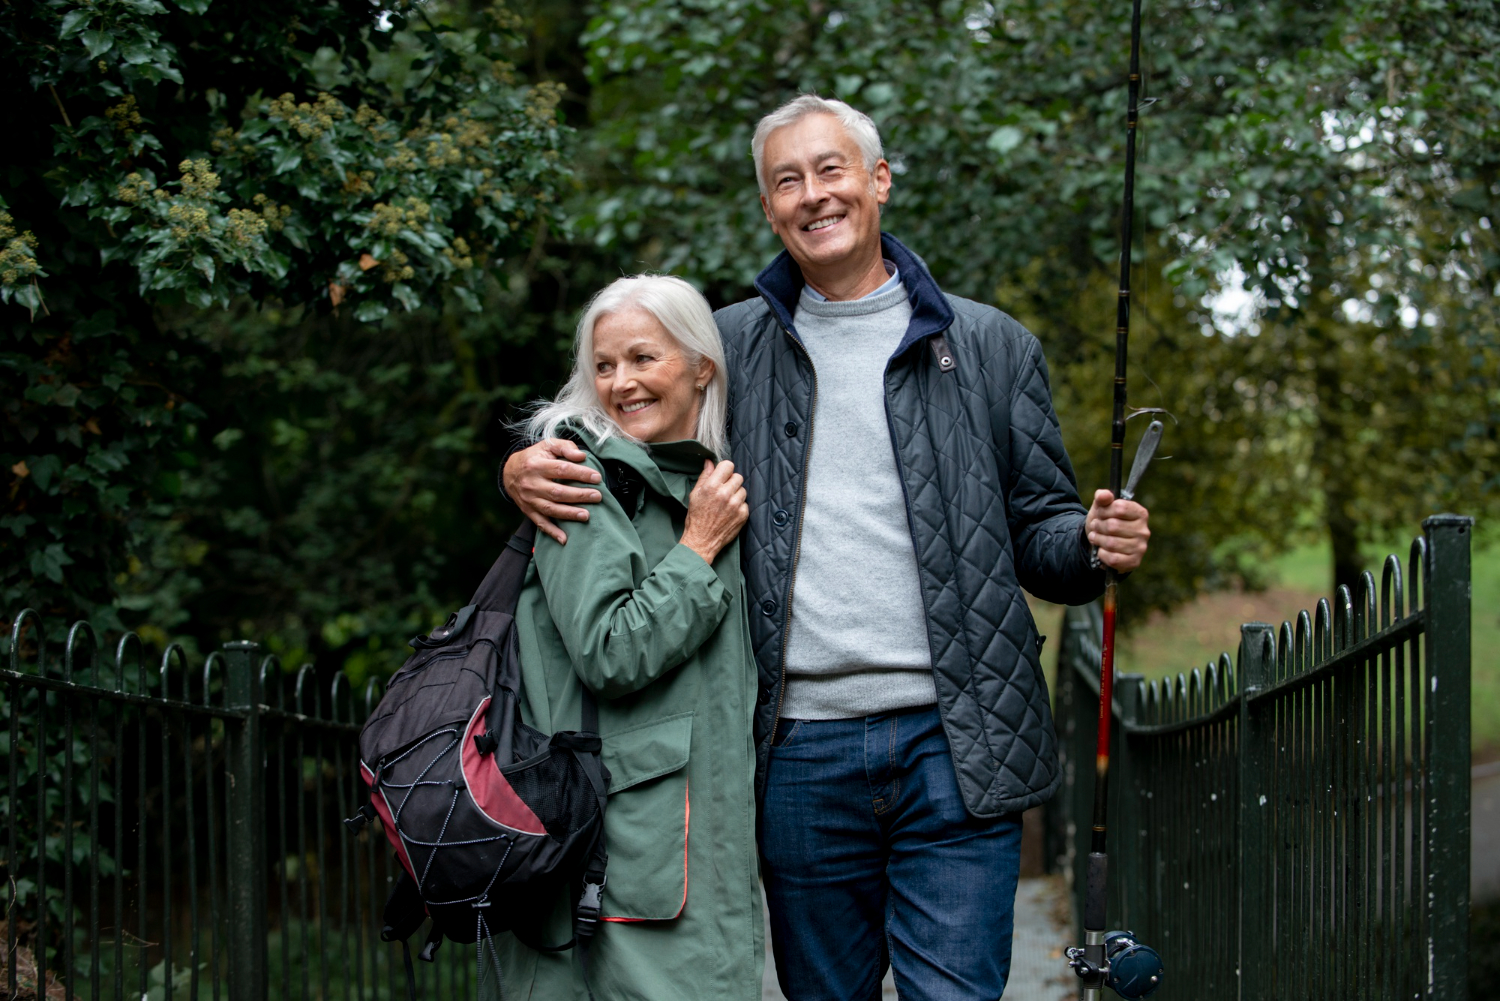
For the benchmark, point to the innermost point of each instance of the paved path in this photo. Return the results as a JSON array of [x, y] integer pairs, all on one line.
[[1484, 833], [1038, 972]]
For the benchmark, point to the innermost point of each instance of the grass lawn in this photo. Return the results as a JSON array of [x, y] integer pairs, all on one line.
[[1197, 633]]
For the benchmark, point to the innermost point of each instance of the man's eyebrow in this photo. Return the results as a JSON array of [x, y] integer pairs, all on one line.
[[833, 154]]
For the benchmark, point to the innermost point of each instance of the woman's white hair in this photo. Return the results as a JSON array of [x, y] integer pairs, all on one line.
[[683, 311], [858, 124]]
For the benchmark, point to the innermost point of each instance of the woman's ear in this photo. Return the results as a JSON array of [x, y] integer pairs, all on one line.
[[705, 374]]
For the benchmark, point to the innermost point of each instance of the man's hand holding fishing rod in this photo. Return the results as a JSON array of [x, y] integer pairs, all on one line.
[[1119, 529]]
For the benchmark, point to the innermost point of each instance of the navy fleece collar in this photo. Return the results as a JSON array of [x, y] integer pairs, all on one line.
[[781, 283]]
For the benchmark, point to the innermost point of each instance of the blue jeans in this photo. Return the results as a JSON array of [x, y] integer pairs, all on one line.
[[870, 859]]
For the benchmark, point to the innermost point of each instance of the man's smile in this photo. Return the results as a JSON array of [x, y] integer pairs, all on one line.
[[822, 223]]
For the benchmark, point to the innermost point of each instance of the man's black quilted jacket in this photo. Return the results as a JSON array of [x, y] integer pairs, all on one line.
[[990, 498]]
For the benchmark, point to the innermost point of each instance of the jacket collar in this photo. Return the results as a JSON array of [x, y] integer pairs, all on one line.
[[780, 284], [654, 461]]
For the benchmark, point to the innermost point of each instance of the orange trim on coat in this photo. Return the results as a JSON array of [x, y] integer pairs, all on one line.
[[687, 823]]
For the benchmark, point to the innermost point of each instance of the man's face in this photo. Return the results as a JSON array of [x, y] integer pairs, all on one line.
[[821, 200]]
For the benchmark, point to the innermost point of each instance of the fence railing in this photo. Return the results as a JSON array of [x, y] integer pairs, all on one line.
[[1293, 823], [173, 831]]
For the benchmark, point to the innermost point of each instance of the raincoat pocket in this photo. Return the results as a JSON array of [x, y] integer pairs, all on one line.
[[646, 823]]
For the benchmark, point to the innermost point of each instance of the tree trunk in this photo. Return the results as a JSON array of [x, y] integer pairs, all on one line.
[[1344, 537], [1337, 420]]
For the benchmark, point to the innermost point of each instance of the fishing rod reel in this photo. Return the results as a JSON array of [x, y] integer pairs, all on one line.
[[1122, 964]]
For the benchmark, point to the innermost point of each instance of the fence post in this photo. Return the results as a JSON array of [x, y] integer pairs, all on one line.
[[245, 836], [1446, 590], [1257, 812]]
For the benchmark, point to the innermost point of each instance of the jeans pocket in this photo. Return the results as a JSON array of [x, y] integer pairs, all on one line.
[[786, 732]]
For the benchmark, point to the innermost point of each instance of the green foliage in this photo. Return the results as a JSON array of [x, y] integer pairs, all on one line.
[[50, 756], [315, 186], [343, 492], [18, 263], [1330, 158], [312, 464], [332, 163]]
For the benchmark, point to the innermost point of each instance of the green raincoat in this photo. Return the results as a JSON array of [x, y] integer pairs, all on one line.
[[662, 640]]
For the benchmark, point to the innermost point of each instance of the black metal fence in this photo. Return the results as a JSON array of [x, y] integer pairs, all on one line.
[[173, 832], [1293, 823]]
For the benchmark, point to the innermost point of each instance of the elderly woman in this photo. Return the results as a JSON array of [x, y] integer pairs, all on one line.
[[645, 606]]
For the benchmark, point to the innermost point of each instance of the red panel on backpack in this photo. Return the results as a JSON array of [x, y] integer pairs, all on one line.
[[377, 800], [489, 789]]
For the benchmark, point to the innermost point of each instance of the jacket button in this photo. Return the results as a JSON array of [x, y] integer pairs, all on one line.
[[764, 697], [781, 518], [791, 429], [768, 606]]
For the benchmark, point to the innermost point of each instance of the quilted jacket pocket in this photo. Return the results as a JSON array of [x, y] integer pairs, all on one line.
[[646, 822]]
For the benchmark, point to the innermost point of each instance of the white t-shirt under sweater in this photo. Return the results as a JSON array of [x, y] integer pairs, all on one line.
[[858, 639]]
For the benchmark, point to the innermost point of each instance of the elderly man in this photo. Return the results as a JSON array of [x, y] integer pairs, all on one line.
[[906, 480]]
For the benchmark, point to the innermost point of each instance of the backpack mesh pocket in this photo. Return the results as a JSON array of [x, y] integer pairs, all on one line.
[[557, 789]]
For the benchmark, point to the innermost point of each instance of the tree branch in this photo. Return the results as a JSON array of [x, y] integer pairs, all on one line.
[[64, 111]]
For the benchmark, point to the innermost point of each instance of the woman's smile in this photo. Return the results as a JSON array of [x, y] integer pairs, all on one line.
[[644, 379]]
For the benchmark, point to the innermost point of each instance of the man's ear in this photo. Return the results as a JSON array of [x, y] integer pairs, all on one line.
[[765, 206], [880, 177]]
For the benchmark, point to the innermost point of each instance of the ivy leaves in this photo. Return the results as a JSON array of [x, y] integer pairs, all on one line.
[[302, 185], [170, 159], [119, 35]]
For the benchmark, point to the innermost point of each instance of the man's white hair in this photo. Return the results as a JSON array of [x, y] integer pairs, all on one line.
[[686, 315], [858, 124]]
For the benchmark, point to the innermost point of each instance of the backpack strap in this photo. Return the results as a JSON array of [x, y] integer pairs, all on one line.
[[590, 906], [590, 720], [404, 909], [501, 587], [411, 974]]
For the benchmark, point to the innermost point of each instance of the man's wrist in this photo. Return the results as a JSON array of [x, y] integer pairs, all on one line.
[[516, 445]]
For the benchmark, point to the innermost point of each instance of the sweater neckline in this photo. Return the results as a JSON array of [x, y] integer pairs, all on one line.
[[875, 303]]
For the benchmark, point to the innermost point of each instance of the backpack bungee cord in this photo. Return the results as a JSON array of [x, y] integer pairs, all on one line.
[[1115, 959]]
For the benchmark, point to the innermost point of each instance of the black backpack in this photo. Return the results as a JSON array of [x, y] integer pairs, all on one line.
[[489, 817]]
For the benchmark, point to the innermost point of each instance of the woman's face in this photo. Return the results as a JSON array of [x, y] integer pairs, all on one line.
[[643, 380]]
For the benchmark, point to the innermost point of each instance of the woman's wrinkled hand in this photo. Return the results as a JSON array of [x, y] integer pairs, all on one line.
[[717, 510]]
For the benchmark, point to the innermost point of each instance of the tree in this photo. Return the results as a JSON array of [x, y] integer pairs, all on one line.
[[356, 185], [300, 467], [1322, 152]]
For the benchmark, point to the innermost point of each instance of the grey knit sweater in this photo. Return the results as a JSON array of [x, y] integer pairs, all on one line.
[[858, 640]]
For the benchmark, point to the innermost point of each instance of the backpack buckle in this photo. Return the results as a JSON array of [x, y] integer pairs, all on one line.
[[429, 951], [363, 816], [590, 904]]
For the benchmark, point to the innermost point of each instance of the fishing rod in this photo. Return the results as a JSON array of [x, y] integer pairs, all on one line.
[[1115, 959]]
